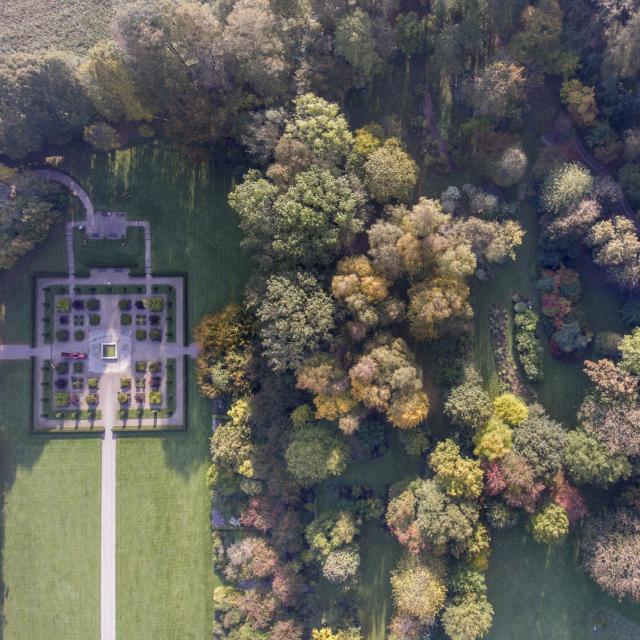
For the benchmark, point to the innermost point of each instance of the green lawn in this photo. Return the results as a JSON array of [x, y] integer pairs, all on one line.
[[51, 551], [164, 577], [128, 252], [16, 297]]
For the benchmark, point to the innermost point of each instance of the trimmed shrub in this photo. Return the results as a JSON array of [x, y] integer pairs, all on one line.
[[141, 366], [141, 334], [78, 367], [155, 398], [125, 319], [62, 368], [155, 303], [92, 383], [78, 336], [124, 304], [62, 398], [93, 304], [94, 319], [62, 335], [155, 335], [91, 399], [63, 305]]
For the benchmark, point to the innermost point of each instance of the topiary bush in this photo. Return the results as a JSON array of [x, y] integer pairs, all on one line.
[[94, 319], [125, 319], [78, 336], [62, 335], [141, 334], [93, 304]]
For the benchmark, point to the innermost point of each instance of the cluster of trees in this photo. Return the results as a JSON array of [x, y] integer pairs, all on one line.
[[29, 205]]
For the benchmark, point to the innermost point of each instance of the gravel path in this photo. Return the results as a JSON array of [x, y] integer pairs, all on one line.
[[108, 516]]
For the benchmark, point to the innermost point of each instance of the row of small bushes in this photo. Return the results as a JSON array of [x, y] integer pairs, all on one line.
[[527, 341]]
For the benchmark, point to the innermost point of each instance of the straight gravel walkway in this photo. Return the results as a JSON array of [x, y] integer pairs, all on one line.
[[108, 515]]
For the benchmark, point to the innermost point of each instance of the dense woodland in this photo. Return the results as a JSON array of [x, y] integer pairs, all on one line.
[[356, 270]]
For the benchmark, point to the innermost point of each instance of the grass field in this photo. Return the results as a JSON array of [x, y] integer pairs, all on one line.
[[51, 551], [71, 25], [164, 570], [109, 253]]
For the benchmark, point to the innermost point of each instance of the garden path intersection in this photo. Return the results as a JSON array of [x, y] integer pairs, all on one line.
[[109, 355]]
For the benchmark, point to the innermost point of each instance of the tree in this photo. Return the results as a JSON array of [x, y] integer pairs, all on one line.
[[589, 462], [460, 477], [355, 42], [580, 102], [386, 378], [225, 354], [499, 91], [390, 173], [297, 318], [521, 489], [110, 85], [468, 618], [540, 441], [314, 453], [622, 55], [468, 404], [509, 408], [28, 207], [249, 559], [418, 591], [41, 102], [231, 445], [630, 349], [574, 225], [493, 440], [617, 248], [510, 167], [322, 128], [252, 41], [610, 547], [342, 565], [629, 177], [307, 224], [175, 52], [539, 43], [365, 294], [550, 525], [566, 186]]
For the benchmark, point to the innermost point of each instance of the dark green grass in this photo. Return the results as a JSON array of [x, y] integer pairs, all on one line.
[[164, 572], [16, 298], [89, 254], [27, 26], [51, 550]]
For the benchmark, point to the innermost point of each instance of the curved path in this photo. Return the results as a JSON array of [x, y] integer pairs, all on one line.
[[74, 186]]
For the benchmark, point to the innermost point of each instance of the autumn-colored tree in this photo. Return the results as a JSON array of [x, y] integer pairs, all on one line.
[[580, 101], [550, 525], [390, 173], [460, 477]]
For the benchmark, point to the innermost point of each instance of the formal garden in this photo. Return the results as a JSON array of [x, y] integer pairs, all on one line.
[[95, 330]]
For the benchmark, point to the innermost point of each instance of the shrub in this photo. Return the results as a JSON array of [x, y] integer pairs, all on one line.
[[141, 334], [123, 398], [155, 398], [78, 336], [62, 398], [62, 335], [124, 304], [63, 305], [94, 319], [61, 383], [102, 136], [550, 525], [500, 516], [126, 319], [91, 399], [123, 413], [509, 408], [607, 343], [125, 383], [78, 367], [93, 304], [141, 366], [155, 303], [62, 368], [155, 367], [155, 335], [528, 347], [565, 186], [510, 168]]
